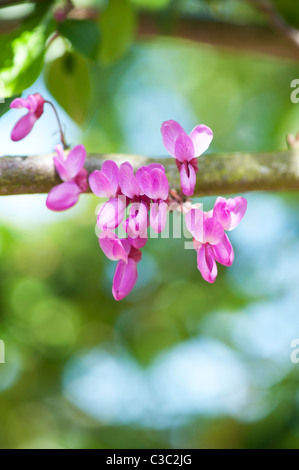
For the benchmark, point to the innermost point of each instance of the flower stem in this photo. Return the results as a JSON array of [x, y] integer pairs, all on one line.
[[62, 138]]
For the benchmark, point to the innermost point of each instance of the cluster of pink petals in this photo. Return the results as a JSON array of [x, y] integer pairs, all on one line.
[[185, 149], [35, 106], [74, 177], [146, 196], [209, 237]]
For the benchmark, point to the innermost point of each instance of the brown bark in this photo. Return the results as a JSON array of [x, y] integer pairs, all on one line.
[[218, 174]]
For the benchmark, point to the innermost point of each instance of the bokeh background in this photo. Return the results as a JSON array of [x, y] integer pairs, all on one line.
[[179, 363]]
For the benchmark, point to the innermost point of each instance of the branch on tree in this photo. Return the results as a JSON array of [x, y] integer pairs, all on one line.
[[243, 38], [277, 21], [281, 41], [218, 174]]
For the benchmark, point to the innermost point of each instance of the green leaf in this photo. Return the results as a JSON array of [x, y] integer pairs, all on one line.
[[22, 52], [4, 107], [118, 23], [84, 35], [151, 4], [26, 64], [68, 80]]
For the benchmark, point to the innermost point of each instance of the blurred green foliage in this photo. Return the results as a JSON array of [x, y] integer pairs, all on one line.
[[84, 36], [22, 51], [117, 24], [56, 307]]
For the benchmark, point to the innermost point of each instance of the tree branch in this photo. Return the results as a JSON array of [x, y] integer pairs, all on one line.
[[218, 174], [243, 38], [257, 39], [278, 22]]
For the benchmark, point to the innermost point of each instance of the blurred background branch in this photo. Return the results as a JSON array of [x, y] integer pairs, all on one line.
[[273, 37], [218, 174], [277, 21], [239, 37]]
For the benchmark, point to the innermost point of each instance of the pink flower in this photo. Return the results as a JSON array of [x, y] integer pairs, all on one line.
[[127, 181], [105, 183], [35, 105], [154, 184], [230, 211], [114, 248], [112, 213], [124, 189], [206, 233], [137, 222], [126, 275], [210, 241], [185, 148], [71, 171]]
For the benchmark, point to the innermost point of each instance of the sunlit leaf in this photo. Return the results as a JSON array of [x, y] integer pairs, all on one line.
[[22, 51], [20, 71]]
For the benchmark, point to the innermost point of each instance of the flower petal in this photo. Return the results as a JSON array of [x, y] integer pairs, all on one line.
[[112, 246], [206, 264], [20, 103], [100, 184], [158, 213], [153, 183], [201, 137], [170, 131], [156, 165], [194, 222], [59, 163], [160, 185], [81, 180], [212, 231], [63, 196], [144, 180], [230, 211], [111, 171], [36, 104], [111, 213], [75, 161], [127, 181], [125, 278], [188, 179], [223, 252], [139, 241], [184, 148], [23, 127], [137, 222]]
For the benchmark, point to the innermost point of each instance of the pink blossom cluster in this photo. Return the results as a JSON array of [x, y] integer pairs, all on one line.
[[140, 200], [146, 197], [71, 170], [185, 148], [209, 238], [35, 108]]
